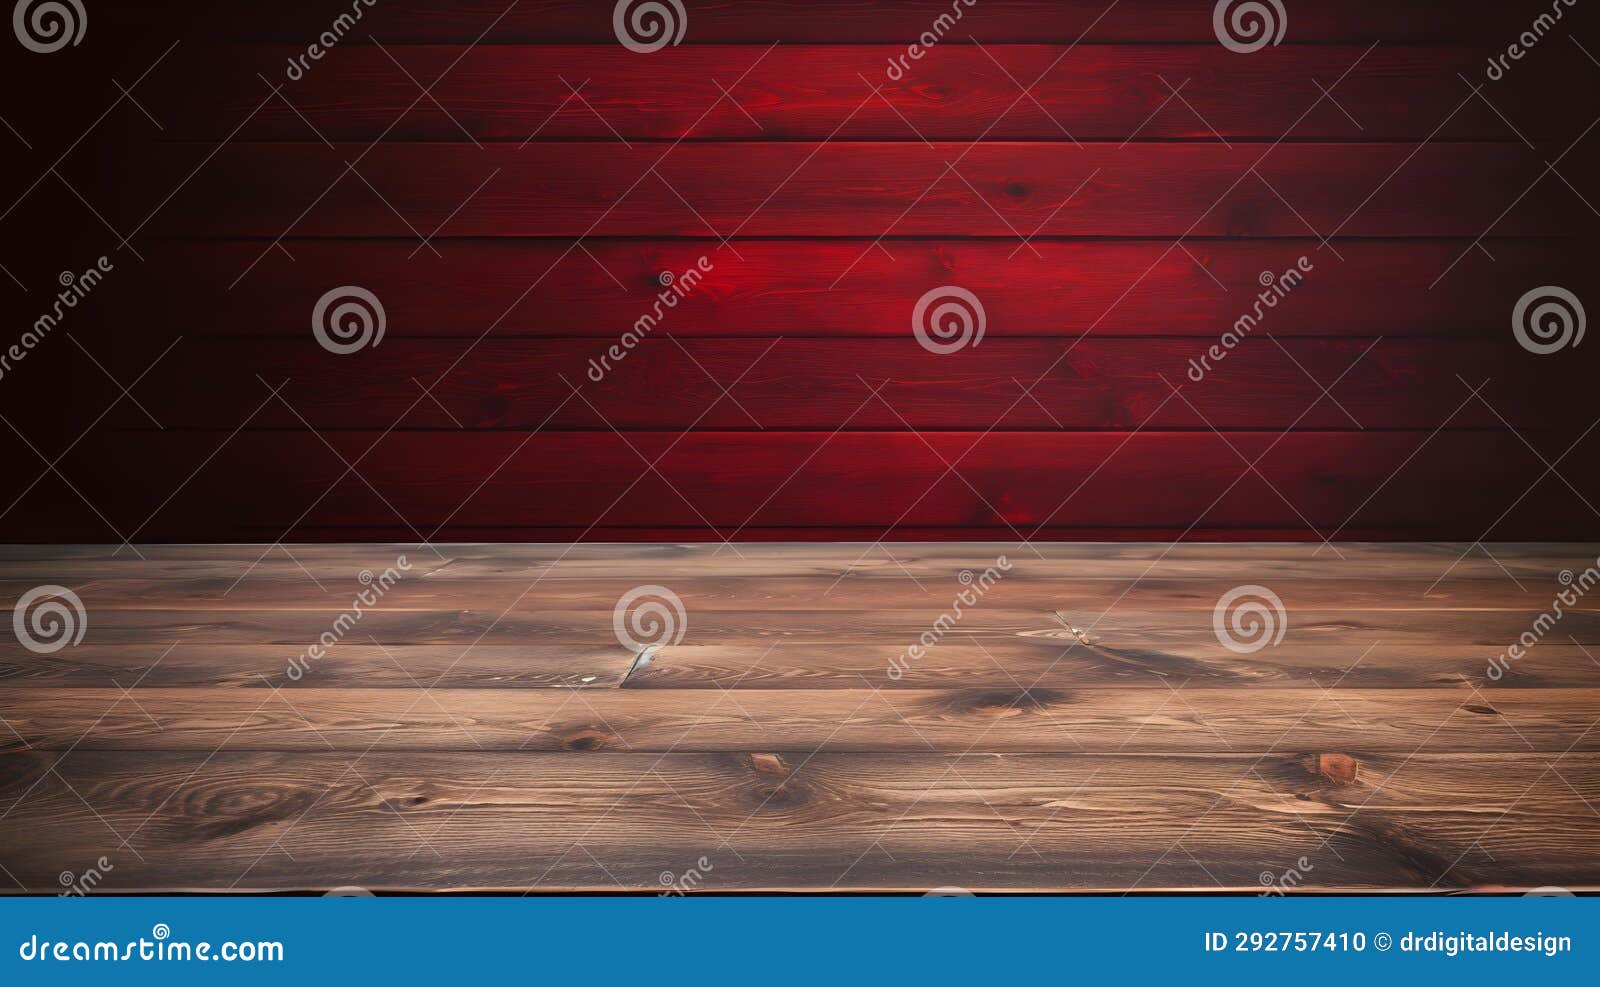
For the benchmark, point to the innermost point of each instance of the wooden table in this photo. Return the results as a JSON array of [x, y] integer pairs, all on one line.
[[1080, 723]]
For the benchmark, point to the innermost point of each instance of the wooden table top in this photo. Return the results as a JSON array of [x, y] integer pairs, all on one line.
[[801, 717]]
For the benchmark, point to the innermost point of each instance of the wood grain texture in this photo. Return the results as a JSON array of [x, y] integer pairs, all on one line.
[[782, 288], [957, 663], [1107, 178], [729, 480], [482, 727], [937, 560], [765, 822], [954, 721], [812, 384], [1030, 584], [887, 21], [837, 624], [998, 189], [956, 91]]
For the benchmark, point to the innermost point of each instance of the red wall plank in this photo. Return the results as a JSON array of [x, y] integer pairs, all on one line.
[[865, 189], [1091, 93], [788, 288], [722, 480], [902, 21], [803, 383]]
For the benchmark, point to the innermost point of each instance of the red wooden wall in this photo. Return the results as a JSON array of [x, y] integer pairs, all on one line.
[[1108, 180]]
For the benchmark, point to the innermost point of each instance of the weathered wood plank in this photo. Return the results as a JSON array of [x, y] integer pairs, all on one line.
[[1020, 589], [1014, 719], [1119, 629], [953, 664], [777, 822], [995, 664], [357, 664]]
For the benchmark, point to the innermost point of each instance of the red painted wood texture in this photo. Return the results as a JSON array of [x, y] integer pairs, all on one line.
[[510, 181]]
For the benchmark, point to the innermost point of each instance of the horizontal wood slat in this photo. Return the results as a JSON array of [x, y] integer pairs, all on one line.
[[1112, 632], [448, 561], [796, 383], [956, 663], [1025, 584], [509, 821], [859, 189], [774, 288], [816, 92], [1495, 483], [1090, 22], [1092, 721]]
